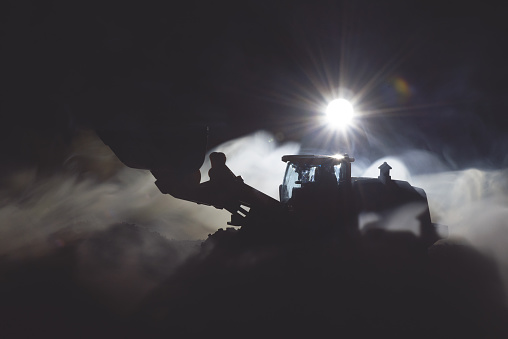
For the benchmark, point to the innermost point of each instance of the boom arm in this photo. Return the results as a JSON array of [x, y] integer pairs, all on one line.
[[177, 170], [224, 190]]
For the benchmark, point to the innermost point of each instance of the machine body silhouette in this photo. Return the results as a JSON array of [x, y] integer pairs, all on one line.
[[318, 195]]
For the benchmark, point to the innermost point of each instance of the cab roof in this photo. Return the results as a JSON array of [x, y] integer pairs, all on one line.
[[315, 160]]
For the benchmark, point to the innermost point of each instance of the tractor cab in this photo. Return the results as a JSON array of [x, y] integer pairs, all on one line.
[[317, 190], [311, 172]]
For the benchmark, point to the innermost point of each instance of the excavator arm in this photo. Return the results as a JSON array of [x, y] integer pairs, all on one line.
[[174, 158], [224, 190]]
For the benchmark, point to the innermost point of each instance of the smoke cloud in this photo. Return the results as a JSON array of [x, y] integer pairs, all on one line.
[[94, 191]]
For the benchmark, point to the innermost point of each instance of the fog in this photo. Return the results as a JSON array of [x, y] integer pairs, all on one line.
[[78, 198], [74, 202]]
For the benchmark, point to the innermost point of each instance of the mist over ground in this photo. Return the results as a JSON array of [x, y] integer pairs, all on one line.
[[93, 193], [93, 190]]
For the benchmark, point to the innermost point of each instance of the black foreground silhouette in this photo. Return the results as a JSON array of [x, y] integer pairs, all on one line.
[[236, 286]]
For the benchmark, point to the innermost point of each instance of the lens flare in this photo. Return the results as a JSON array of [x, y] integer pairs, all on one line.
[[339, 113]]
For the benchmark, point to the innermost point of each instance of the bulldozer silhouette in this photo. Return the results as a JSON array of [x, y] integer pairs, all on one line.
[[318, 197]]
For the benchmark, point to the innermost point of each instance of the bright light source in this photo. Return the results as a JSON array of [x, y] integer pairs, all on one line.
[[339, 112]]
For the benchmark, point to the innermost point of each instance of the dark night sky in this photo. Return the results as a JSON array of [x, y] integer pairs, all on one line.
[[243, 66]]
